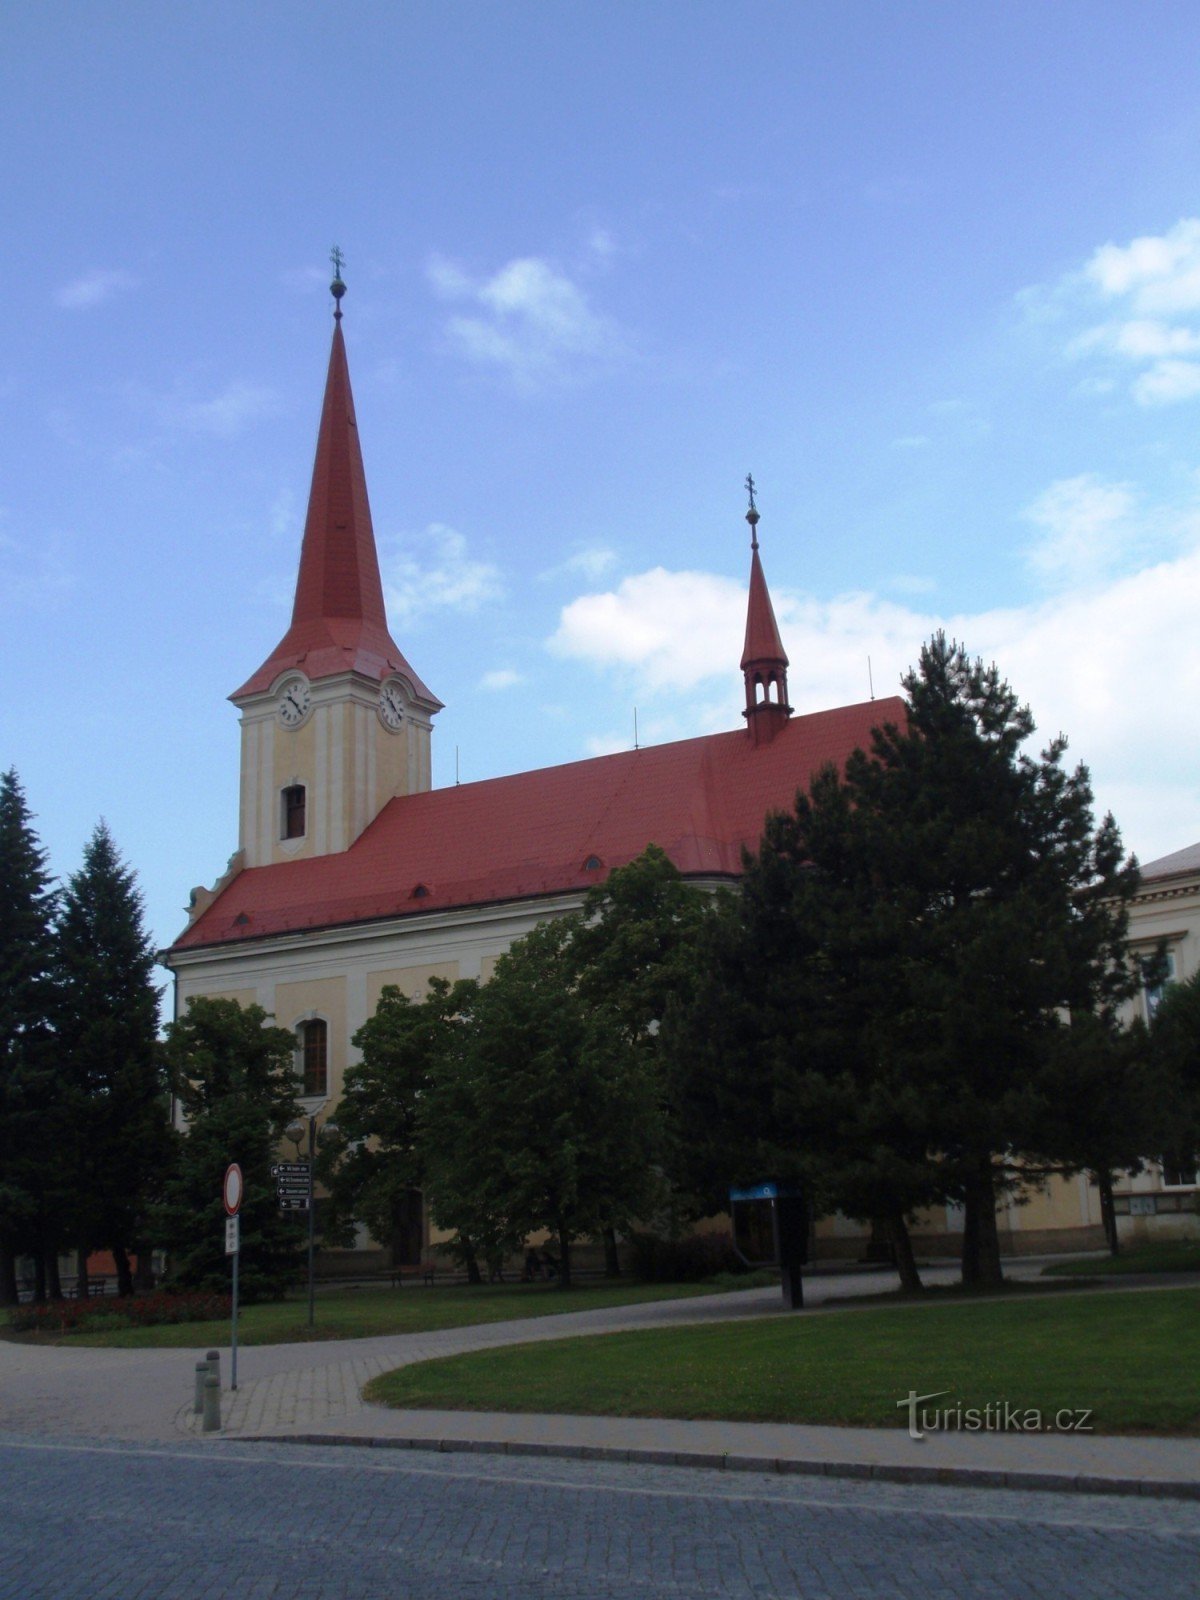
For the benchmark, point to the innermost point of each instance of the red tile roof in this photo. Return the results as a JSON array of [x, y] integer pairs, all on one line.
[[531, 834], [338, 620]]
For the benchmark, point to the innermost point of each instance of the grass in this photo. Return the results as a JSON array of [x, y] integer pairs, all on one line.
[[365, 1313], [1166, 1255], [1132, 1359]]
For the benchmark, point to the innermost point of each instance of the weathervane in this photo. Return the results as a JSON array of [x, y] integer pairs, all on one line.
[[337, 288]]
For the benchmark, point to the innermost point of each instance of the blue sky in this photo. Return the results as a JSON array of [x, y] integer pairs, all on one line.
[[931, 273]]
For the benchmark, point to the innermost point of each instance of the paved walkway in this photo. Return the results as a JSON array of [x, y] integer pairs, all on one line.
[[312, 1392]]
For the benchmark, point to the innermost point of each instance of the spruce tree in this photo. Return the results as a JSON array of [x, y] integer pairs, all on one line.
[[110, 1058], [31, 1121]]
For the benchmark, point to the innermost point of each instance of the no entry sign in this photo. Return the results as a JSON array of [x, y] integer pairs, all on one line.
[[232, 1189]]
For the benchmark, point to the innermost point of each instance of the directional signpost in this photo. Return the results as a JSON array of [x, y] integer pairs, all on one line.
[[293, 1185], [231, 1193]]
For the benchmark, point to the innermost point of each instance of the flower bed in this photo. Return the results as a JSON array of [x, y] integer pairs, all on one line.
[[130, 1311]]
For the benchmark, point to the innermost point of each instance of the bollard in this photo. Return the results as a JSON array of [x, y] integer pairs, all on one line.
[[201, 1375], [214, 1365], [212, 1404]]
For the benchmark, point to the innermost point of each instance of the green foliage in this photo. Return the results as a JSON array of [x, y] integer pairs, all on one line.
[[234, 1079], [688, 1260], [33, 1122], [374, 1165], [885, 1013], [126, 1311], [108, 1052], [1174, 1056]]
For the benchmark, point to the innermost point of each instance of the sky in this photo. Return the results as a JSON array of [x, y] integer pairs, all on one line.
[[930, 272]]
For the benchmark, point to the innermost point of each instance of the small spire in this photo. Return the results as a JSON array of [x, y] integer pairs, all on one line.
[[752, 514], [337, 288]]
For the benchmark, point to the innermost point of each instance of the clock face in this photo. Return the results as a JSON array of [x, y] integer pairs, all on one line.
[[294, 701], [391, 706]]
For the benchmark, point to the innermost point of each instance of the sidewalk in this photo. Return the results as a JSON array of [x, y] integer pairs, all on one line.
[[322, 1404], [312, 1393]]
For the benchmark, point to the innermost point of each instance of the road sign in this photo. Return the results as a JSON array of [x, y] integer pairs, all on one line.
[[232, 1189], [290, 1169], [288, 1203], [233, 1235]]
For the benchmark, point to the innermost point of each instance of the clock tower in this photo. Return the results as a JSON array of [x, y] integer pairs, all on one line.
[[335, 722]]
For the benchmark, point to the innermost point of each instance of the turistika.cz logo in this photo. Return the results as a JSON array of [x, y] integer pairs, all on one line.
[[998, 1416]]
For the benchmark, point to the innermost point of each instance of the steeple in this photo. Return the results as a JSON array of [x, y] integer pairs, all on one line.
[[338, 619], [335, 723], [764, 660]]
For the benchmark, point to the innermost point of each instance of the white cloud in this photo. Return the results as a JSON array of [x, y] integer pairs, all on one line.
[[590, 564], [501, 678], [529, 319], [443, 577], [1114, 666], [229, 413], [1153, 285], [93, 289], [1086, 524]]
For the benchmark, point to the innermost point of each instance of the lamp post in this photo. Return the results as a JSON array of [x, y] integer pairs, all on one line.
[[295, 1132]]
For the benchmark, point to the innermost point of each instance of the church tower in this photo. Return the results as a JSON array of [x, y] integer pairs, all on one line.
[[764, 660], [335, 721]]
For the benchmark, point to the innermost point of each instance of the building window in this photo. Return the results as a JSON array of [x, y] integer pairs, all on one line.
[[314, 1058], [1152, 993], [292, 812], [1179, 1171]]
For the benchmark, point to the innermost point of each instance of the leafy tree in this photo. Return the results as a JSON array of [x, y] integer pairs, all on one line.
[[1173, 1059], [374, 1167], [541, 1115], [110, 1059], [233, 1076], [33, 1124]]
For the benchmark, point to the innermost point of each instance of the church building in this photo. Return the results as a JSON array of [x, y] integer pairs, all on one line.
[[352, 872]]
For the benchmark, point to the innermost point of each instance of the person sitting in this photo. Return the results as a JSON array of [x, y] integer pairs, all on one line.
[[550, 1263], [533, 1267]]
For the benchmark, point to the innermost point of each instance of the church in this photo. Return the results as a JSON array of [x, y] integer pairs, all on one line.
[[352, 872]]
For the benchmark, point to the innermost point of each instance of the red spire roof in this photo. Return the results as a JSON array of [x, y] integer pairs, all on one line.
[[763, 643], [338, 619]]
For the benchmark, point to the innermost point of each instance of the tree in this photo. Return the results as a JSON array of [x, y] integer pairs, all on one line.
[[374, 1169], [1173, 1060], [541, 1116], [912, 940], [110, 1059], [234, 1079], [32, 1122]]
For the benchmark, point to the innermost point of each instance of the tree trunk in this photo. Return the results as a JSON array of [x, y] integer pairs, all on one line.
[[902, 1251], [981, 1237], [564, 1260], [83, 1287], [8, 1276], [612, 1261], [1108, 1211], [124, 1272], [39, 1275], [53, 1281], [472, 1260], [143, 1273]]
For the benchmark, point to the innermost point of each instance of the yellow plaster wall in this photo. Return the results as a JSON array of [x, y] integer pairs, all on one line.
[[244, 997], [412, 981], [487, 967]]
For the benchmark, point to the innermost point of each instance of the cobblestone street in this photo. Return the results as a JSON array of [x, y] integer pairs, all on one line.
[[269, 1522]]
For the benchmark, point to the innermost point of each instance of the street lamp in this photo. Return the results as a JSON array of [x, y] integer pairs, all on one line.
[[295, 1132]]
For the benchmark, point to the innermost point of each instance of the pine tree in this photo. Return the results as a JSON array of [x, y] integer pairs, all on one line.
[[31, 1123], [109, 1053]]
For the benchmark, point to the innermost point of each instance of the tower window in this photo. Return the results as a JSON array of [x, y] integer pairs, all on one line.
[[314, 1057], [292, 820]]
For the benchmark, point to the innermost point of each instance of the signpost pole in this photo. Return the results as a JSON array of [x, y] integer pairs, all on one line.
[[237, 1256], [312, 1161], [232, 1190]]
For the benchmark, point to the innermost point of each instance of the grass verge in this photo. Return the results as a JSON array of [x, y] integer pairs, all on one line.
[[1133, 1360], [1166, 1255], [365, 1313]]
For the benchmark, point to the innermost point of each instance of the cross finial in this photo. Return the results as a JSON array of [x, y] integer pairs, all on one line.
[[337, 288], [752, 514]]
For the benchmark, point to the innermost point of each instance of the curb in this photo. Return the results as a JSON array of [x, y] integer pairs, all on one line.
[[879, 1472]]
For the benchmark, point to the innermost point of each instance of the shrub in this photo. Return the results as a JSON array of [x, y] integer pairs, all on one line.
[[131, 1311], [699, 1255]]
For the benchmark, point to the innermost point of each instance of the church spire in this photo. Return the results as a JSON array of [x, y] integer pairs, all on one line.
[[764, 660], [339, 623]]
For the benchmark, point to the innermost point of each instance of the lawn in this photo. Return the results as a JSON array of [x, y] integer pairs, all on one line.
[[1166, 1255], [1133, 1359], [364, 1313]]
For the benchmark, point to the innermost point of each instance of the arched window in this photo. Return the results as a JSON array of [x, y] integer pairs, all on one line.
[[314, 1057], [291, 812]]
